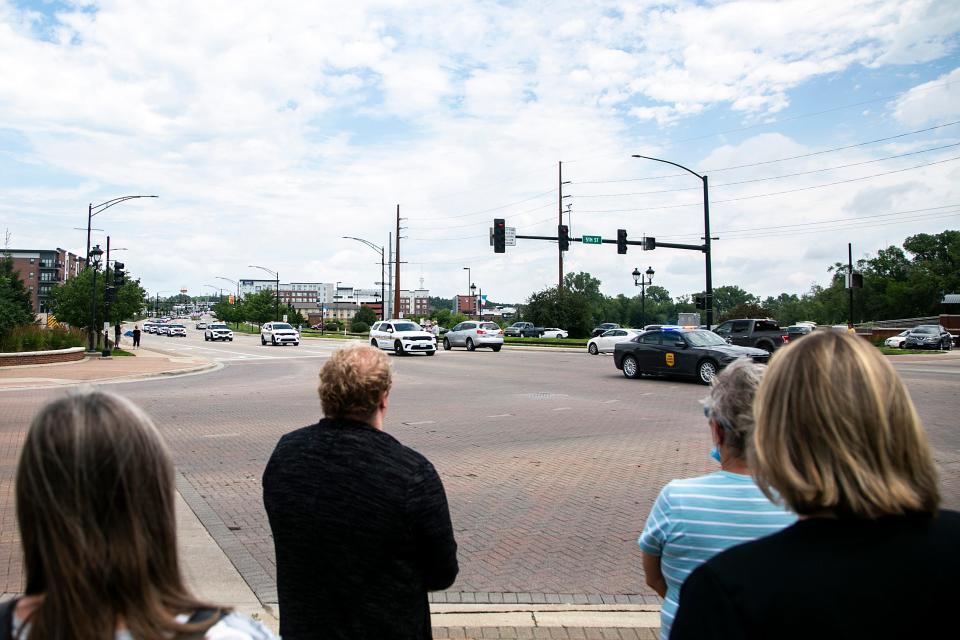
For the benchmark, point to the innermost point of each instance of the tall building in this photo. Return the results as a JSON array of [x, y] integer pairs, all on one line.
[[41, 269], [414, 304]]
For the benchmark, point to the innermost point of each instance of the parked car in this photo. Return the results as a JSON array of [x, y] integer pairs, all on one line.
[[554, 332], [897, 341], [474, 334], [279, 333], [402, 337], [928, 336], [606, 326], [761, 333], [605, 342], [216, 332], [798, 330], [523, 330], [177, 331], [200, 325], [695, 353]]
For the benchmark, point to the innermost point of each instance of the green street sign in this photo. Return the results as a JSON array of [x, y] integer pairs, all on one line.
[[592, 240]]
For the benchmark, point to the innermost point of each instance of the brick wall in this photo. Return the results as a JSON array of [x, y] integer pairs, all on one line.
[[41, 357]]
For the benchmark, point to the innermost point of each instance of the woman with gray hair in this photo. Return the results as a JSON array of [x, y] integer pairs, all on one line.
[[693, 519]]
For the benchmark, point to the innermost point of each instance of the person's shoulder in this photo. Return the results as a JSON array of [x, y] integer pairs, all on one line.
[[234, 626], [709, 483]]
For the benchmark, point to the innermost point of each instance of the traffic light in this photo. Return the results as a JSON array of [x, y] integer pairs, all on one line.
[[118, 274], [563, 237], [649, 244], [621, 240], [700, 301], [111, 294], [856, 280], [499, 235]]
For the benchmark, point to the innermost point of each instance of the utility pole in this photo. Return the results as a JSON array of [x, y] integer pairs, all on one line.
[[388, 301], [396, 292], [849, 279], [559, 222]]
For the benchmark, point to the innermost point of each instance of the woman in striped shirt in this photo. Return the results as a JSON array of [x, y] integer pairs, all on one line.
[[693, 519]]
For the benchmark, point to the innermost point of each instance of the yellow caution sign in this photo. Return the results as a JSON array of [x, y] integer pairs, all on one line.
[[52, 322], [670, 360]]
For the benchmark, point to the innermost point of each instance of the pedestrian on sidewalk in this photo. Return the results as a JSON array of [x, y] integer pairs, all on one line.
[[694, 518], [136, 336], [95, 500], [116, 335], [360, 522], [838, 440]]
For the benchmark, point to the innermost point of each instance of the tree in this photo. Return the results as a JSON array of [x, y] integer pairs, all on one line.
[[259, 307], [365, 315], [746, 310], [587, 288], [567, 309], [227, 312], [727, 297], [16, 307]]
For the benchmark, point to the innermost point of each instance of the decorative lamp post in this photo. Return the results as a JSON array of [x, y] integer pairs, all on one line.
[[473, 296], [94, 262], [643, 280]]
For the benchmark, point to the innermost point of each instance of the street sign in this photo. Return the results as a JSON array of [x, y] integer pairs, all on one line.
[[592, 240], [511, 236]]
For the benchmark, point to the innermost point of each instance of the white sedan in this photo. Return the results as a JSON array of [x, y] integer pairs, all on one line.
[[554, 332], [897, 341], [605, 342]]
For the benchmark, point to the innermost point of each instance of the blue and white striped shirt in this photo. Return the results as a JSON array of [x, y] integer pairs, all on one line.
[[696, 518]]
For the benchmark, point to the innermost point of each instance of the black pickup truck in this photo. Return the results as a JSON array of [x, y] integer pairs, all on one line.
[[523, 330], [763, 334]]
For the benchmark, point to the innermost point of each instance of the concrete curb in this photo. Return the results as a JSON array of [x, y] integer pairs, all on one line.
[[642, 616], [136, 377]]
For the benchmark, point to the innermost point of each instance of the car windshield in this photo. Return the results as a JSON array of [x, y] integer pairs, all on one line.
[[281, 325], [406, 326], [218, 326], [490, 325], [925, 329], [704, 339], [177, 326]]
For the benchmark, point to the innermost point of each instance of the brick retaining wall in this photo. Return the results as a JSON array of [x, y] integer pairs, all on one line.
[[41, 357]]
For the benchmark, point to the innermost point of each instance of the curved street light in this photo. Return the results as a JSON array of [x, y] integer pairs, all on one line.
[[706, 232], [383, 282], [219, 290], [276, 275], [93, 210], [94, 262]]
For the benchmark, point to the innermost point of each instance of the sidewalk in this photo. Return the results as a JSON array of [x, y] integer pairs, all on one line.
[[146, 363]]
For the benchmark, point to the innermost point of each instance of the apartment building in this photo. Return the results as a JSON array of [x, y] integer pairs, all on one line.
[[41, 269]]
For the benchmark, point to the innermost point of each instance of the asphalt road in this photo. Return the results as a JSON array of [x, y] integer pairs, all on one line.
[[551, 460]]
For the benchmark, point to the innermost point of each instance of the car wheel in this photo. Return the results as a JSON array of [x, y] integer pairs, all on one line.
[[706, 371], [263, 341], [446, 344], [398, 348], [630, 367], [273, 340], [373, 343], [470, 345], [947, 345], [593, 349], [496, 347], [766, 346], [206, 339]]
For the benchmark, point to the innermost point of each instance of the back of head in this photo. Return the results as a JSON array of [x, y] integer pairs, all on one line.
[[95, 506], [730, 402], [353, 381], [836, 432]]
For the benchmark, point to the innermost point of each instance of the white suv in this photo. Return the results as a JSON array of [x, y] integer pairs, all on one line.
[[402, 337], [279, 333], [216, 332]]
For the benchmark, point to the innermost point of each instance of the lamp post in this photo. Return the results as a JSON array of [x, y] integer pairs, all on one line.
[[382, 266], [108, 283], [94, 262], [93, 210], [706, 233], [219, 291], [642, 280], [236, 300], [473, 295], [156, 303], [277, 277]]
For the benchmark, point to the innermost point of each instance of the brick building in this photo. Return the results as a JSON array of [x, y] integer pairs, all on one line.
[[41, 269]]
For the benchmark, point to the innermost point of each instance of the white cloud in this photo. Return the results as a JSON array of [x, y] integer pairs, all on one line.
[[934, 101]]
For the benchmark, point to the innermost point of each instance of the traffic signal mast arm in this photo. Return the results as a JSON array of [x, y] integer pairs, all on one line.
[[640, 243]]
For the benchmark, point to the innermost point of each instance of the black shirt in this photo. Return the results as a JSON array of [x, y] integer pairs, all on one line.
[[361, 530], [896, 577]]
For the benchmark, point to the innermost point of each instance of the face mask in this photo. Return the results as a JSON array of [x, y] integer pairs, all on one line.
[[715, 453]]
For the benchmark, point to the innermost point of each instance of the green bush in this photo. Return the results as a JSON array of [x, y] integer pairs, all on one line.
[[359, 326], [30, 337], [333, 325]]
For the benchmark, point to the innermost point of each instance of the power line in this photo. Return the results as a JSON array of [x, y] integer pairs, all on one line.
[[852, 225], [774, 193], [502, 206], [487, 222], [765, 162], [780, 177]]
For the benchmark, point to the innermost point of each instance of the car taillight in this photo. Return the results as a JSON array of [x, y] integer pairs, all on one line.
[[480, 331], [786, 338]]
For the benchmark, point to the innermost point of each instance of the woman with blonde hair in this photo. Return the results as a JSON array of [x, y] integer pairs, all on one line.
[[838, 440], [95, 502]]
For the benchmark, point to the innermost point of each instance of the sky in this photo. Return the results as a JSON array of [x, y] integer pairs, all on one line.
[[271, 130]]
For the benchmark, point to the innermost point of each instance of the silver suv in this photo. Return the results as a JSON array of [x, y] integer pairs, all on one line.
[[279, 333], [474, 333], [402, 337], [216, 332]]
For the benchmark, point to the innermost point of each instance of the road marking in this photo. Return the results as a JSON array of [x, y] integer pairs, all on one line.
[[501, 415], [220, 435], [562, 408], [609, 401], [410, 424]]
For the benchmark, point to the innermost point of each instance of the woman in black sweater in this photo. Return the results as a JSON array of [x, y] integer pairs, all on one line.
[[838, 440]]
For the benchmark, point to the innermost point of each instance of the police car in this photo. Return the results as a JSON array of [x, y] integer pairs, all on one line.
[[695, 353]]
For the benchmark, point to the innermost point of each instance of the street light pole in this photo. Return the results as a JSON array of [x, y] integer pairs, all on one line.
[[277, 276], [93, 210], [382, 266], [639, 280], [94, 263], [706, 233]]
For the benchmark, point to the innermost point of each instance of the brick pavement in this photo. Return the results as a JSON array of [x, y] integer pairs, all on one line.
[[551, 461]]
